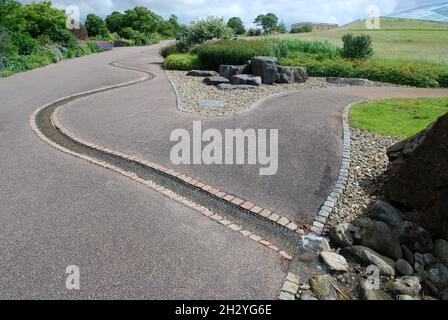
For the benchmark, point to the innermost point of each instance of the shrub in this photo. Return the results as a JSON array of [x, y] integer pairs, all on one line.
[[24, 43], [357, 47], [254, 32], [236, 24], [182, 61], [139, 38], [6, 73], [204, 29], [413, 74], [60, 35], [25, 63], [121, 43], [96, 26], [169, 50], [307, 27], [5, 42]]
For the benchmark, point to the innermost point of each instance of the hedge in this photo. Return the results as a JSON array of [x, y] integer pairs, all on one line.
[[182, 61]]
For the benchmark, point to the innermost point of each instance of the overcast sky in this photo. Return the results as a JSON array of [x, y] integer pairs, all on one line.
[[291, 11]]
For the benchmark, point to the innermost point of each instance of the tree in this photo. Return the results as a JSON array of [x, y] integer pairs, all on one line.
[[142, 19], [282, 27], [267, 21], [96, 26], [115, 21], [236, 24]]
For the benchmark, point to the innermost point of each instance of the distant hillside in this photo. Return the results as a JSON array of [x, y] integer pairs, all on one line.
[[398, 24]]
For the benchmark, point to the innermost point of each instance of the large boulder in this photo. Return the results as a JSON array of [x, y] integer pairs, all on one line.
[[382, 211], [366, 257], [266, 68], [378, 236], [419, 177], [245, 79], [292, 75], [415, 237], [227, 71]]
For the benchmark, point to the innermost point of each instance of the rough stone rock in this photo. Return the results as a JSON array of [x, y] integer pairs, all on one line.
[[428, 284], [227, 86], [424, 259], [227, 71], [415, 237], [266, 68], [349, 81], [245, 79], [334, 261], [292, 75], [408, 255], [382, 211], [409, 286], [214, 81], [438, 274], [444, 295], [366, 257], [419, 177], [324, 245], [440, 251], [322, 287], [365, 292], [345, 235], [202, 73], [404, 268], [378, 236]]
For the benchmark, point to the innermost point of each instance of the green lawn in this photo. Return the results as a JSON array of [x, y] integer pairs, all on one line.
[[398, 39], [397, 117]]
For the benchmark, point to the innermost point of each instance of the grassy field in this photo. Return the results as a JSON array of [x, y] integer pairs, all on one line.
[[398, 39], [397, 117]]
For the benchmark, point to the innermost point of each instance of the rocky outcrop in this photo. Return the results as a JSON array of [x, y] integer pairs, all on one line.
[[292, 75], [266, 68], [227, 71], [419, 177], [247, 79]]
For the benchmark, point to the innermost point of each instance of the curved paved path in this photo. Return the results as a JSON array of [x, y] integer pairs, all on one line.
[[140, 119], [128, 241]]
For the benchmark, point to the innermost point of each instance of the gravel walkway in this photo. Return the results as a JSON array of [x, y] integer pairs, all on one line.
[[367, 175]]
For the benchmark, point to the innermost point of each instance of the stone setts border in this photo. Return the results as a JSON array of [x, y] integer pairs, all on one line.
[[341, 184], [248, 206]]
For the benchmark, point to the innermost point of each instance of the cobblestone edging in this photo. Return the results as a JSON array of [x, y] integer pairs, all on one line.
[[249, 207], [341, 184]]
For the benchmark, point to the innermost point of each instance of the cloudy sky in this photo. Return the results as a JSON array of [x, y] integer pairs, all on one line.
[[291, 11]]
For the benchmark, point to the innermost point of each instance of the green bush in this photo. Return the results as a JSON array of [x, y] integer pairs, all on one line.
[[183, 62], [169, 50], [96, 27], [138, 38], [307, 27], [60, 35], [413, 74], [24, 43], [357, 47], [6, 73], [25, 63]]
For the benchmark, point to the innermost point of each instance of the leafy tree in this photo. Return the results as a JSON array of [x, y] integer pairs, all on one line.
[[115, 21], [357, 46], [142, 19], [267, 21], [96, 26], [204, 29], [169, 27], [282, 27], [236, 24]]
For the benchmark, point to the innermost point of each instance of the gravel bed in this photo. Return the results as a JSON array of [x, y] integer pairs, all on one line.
[[367, 175], [192, 91]]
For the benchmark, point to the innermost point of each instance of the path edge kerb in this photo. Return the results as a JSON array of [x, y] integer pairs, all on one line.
[[340, 186], [170, 194]]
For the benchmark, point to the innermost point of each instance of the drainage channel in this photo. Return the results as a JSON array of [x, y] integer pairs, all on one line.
[[276, 234]]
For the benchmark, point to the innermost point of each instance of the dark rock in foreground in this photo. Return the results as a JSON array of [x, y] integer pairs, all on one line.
[[214, 81]]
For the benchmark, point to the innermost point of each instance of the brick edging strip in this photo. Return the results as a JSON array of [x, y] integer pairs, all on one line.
[[341, 184], [249, 207]]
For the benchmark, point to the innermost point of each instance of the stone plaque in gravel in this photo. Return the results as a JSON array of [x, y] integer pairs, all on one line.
[[212, 104]]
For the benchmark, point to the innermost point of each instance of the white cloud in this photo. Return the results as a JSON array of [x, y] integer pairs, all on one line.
[[290, 11]]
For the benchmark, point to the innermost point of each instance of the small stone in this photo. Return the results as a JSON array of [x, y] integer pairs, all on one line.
[[409, 286], [438, 274], [202, 73], [404, 268], [307, 296], [322, 287], [366, 292], [334, 261], [214, 81], [290, 287], [424, 259], [408, 255], [367, 257], [415, 237]]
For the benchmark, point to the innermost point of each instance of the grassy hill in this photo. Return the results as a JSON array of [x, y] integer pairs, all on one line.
[[398, 39], [398, 24]]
